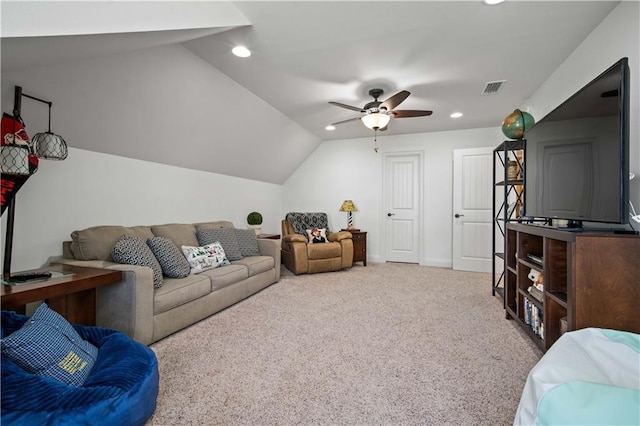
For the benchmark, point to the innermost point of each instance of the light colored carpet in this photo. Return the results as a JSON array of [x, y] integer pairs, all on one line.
[[382, 344]]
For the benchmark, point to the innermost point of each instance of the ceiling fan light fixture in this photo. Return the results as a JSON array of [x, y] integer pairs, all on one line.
[[376, 120]]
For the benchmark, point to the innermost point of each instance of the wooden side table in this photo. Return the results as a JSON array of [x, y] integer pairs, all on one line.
[[71, 291], [359, 245]]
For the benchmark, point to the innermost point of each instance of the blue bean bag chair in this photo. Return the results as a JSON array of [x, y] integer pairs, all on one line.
[[121, 388]]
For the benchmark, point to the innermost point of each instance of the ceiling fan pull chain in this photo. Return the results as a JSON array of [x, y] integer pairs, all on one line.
[[375, 140]]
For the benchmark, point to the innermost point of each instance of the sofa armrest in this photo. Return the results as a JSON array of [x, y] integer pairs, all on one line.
[[126, 306], [271, 248], [347, 252], [294, 238], [339, 236]]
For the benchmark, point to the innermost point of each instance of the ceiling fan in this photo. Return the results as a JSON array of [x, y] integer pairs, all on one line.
[[378, 114]]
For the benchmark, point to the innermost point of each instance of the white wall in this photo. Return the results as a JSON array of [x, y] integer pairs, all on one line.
[[89, 189], [617, 36], [350, 169]]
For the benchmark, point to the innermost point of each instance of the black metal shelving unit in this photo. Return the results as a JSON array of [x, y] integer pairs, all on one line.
[[507, 192]]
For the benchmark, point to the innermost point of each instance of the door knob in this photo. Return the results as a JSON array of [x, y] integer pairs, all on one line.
[[458, 215], [391, 214]]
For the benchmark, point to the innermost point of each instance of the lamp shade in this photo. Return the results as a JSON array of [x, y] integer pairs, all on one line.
[[376, 120], [49, 146], [15, 160], [348, 206]]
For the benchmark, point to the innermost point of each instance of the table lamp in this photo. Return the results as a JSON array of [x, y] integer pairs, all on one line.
[[349, 207]]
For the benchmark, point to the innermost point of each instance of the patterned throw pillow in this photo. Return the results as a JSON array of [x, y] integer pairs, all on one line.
[[132, 250], [225, 236], [206, 257], [169, 256], [316, 235], [248, 242], [47, 345]]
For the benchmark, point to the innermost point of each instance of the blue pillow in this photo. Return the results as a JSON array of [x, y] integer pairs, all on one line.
[[47, 345]]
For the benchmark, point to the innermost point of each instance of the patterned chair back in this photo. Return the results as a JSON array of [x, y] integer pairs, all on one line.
[[303, 221]]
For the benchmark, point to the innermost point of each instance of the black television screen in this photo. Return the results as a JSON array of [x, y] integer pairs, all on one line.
[[576, 157]]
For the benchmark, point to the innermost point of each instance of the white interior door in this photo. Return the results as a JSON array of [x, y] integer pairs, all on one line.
[[472, 197], [401, 201]]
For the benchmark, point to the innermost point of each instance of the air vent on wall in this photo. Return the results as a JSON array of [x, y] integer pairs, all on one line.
[[492, 87]]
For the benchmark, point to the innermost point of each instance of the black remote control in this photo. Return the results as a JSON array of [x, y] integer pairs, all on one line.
[[28, 276]]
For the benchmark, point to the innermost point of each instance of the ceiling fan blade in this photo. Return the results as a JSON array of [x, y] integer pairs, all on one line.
[[404, 113], [346, 121], [395, 100], [347, 106]]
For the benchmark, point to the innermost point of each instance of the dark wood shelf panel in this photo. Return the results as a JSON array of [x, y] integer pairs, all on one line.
[[590, 280], [532, 299], [559, 298], [530, 265], [536, 338]]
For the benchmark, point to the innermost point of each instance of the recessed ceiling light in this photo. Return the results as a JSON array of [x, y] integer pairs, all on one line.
[[456, 115], [330, 127], [493, 2], [241, 52]]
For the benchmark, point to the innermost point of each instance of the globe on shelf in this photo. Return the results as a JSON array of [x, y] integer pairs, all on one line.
[[516, 124]]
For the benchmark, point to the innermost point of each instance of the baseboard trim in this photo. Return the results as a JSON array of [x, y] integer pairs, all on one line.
[[438, 263]]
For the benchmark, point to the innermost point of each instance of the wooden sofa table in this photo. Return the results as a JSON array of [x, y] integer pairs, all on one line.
[[71, 291]]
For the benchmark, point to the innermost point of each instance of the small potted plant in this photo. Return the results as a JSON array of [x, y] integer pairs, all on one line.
[[254, 219]]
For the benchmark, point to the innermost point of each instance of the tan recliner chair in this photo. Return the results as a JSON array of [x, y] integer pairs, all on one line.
[[300, 257]]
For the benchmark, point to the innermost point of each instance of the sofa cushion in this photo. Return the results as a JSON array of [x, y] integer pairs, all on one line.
[[96, 243], [324, 251], [256, 264], [132, 250], [303, 221], [247, 242], [206, 257], [176, 292], [223, 277], [170, 257], [226, 237], [48, 346], [182, 234]]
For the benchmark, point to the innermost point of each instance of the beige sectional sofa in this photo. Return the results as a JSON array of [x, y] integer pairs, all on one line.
[[148, 314]]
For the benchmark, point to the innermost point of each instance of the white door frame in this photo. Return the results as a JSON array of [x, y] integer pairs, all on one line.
[[383, 204]]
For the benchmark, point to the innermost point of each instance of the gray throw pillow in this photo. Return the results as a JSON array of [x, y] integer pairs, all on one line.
[[248, 242], [170, 257], [226, 237], [132, 250]]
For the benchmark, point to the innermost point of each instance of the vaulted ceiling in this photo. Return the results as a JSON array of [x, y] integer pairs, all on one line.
[[308, 53]]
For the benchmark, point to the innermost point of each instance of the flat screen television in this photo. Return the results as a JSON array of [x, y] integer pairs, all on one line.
[[577, 156]]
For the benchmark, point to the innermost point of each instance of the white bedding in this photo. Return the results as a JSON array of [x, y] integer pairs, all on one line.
[[588, 377]]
